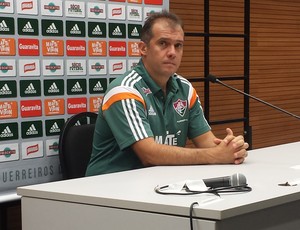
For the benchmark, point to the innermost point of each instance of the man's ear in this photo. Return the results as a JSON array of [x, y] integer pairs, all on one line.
[[142, 48]]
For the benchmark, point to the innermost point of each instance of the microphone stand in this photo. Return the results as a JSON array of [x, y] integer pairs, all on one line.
[[213, 79]]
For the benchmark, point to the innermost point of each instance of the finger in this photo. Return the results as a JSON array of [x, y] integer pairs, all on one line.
[[241, 154], [239, 161], [228, 139], [229, 131], [217, 141]]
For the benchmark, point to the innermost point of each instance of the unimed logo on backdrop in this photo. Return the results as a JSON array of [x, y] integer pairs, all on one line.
[[8, 68], [9, 152], [7, 6], [53, 67], [96, 10], [97, 67], [51, 7]]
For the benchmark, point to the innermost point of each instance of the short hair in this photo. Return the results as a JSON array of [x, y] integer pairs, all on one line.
[[173, 19]]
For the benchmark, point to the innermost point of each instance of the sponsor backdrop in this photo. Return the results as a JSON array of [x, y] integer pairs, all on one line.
[[56, 59]]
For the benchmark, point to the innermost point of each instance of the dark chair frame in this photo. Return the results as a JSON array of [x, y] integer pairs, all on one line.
[[75, 144]]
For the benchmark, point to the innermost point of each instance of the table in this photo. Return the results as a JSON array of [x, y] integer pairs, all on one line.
[[127, 200]]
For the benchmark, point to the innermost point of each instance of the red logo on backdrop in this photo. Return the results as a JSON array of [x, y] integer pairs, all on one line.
[[76, 105], [29, 47], [76, 47], [31, 108], [117, 48], [154, 2]]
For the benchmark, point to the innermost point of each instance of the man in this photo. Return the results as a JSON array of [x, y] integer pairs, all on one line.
[[148, 113]]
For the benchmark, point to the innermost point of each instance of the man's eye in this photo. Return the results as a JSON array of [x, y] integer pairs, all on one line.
[[163, 43], [179, 45]]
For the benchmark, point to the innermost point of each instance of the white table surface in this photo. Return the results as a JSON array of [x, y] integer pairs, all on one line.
[[134, 190]]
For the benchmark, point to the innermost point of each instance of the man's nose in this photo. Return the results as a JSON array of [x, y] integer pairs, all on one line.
[[172, 51]]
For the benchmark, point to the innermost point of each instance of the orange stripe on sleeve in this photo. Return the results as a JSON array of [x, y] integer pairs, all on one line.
[[193, 98], [122, 96]]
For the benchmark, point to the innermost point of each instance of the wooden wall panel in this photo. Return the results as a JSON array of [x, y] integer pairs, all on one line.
[[274, 63], [275, 70]]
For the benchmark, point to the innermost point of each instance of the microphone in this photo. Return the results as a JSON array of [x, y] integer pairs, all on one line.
[[214, 79], [237, 179]]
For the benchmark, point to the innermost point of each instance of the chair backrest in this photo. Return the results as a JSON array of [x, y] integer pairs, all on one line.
[[75, 144]]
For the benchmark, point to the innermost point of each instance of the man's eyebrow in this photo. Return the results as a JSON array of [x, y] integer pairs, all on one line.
[[168, 39]]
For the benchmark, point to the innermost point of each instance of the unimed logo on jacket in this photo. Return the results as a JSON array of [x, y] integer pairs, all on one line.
[[31, 108], [76, 105]]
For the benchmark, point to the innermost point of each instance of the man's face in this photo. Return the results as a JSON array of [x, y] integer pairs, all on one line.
[[162, 56]]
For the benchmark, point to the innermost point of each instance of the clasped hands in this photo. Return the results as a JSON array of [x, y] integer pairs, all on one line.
[[233, 148]]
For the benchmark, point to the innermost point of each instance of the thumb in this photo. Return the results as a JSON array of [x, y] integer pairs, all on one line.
[[229, 131], [217, 141]]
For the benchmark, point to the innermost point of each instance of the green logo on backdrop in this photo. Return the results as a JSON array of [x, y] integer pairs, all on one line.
[[8, 89], [76, 86], [28, 26], [9, 131], [117, 30], [97, 29], [97, 85], [30, 88], [75, 29], [134, 31], [30, 129], [54, 127], [54, 87], [7, 25], [52, 28]]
